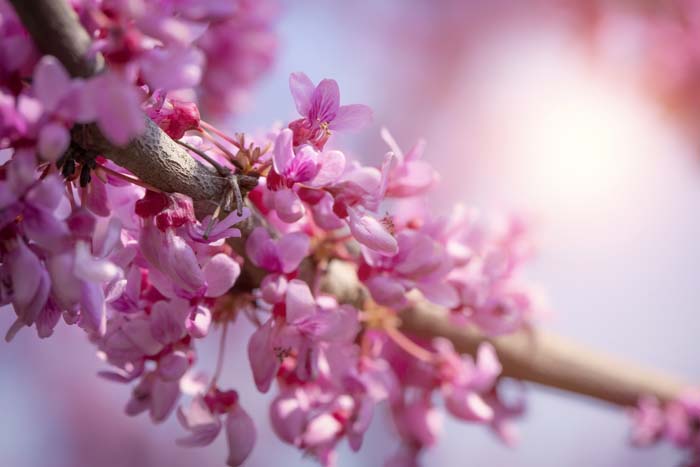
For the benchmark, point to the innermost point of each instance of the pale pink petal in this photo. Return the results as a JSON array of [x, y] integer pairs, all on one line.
[[220, 273], [172, 366], [118, 107], [51, 82], [53, 141], [172, 68], [240, 434], [164, 396], [488, 366], [351, 117], [467, 405], [288, 205], [273, 288], [292, 249], [288, 417], [198, 419], [299, 302], [371, 233], [167, 323], [440, 293], [387, 291], [321, 429], [262, 359], [198, 323], [331, 166], [92, 307]]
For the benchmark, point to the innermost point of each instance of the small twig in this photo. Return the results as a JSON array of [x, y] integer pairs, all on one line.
[[126, 178], [223, 171], [220, 358], [206, 126]]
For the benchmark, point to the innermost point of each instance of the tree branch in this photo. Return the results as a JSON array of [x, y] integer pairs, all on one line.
[[153, 157], [157, 160], [529, 355]]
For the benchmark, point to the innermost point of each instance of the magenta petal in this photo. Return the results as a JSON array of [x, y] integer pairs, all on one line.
[[262, 359], [220, 273], [325, 101], [351, 117], [283, 152], [371, 233], [302, 89], [240, 434], [292, 249]]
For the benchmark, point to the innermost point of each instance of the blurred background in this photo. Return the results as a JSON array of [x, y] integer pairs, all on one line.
[[579, 114]]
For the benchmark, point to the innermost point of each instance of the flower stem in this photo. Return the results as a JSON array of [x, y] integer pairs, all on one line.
[[220, 358], [408, 345], [127, 178]]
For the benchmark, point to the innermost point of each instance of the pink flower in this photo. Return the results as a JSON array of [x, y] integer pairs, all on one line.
[[321, 110], [410, 176], [462, 381], [173, 116], [202, 420], [64, 101], [281, 256], [202, 424], [117, 107], [300, 327], [303, 166], [421, 263]]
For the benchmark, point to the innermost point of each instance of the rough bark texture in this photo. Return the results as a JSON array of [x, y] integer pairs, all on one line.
[[153, 157]]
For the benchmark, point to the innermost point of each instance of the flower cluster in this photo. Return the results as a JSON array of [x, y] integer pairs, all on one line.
[[163, 55], [676, 421], [84, 240]]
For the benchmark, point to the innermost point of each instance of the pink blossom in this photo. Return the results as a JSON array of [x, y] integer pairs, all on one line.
[[281, 256], [319, 105], [421, 263], [410, 176], [173, 116]]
